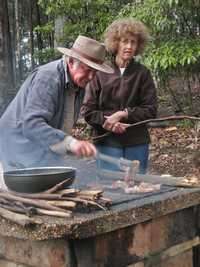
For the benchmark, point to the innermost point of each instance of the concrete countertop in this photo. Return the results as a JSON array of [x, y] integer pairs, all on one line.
[[99, 222]]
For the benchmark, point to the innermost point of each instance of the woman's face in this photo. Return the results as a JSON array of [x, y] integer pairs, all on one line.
[[127, 47]]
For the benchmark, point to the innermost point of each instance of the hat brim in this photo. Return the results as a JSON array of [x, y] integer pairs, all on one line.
[[101, 67]]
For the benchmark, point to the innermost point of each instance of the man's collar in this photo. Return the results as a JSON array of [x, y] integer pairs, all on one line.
[[64, 61], [68, 78]]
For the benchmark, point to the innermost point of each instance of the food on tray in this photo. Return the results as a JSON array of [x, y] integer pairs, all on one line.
[[133, 188]]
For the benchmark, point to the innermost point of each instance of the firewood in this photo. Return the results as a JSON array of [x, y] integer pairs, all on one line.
[[58, 186], [106, 200], [76, 199], [43, 196], [70, 191], [91, 192], [87, 198], [57, 203], [62, 203], [93, 203], [4, 201], [36, 202], [20, 219], [14, 208], [86, 202], [65, 214]]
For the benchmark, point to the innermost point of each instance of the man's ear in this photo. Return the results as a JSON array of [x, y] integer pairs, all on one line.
[[71, 62]]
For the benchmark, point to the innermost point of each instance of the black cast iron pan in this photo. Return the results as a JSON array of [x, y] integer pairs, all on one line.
[[32, 180]]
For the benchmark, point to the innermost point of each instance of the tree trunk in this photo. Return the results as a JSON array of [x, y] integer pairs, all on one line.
[[31, 34], [6, 63], [59, 26], [38, 22], [18, 41]]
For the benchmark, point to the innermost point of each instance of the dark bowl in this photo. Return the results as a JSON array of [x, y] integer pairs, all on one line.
[[35, 180]]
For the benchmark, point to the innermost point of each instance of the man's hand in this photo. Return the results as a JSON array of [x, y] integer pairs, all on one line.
[[79, 148], [83, 148]]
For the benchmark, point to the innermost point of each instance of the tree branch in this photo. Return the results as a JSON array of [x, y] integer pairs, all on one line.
[[181, 117]]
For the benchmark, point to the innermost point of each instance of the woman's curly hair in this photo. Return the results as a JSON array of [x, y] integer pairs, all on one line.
[[120, 28]]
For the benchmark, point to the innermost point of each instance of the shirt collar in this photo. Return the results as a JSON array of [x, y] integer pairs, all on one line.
[[68, 80], [64, 61]]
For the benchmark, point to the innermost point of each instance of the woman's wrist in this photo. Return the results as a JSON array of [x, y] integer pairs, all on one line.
[[124, 113]]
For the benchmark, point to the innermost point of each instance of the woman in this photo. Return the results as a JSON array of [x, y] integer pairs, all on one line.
[[127, 96]]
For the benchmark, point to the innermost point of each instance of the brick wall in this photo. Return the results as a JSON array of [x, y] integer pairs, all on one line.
[[167, 241]]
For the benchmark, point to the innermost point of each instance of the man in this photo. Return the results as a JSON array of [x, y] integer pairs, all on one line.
[[31, 129]]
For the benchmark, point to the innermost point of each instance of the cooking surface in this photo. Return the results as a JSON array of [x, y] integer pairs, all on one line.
[[87, 177], [127, 210]]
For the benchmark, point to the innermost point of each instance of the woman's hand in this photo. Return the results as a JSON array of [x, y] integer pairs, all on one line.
[[117, 127], [113, 124], [117, 116]]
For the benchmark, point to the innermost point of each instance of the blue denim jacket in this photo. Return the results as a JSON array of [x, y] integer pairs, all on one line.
[[33, 120]]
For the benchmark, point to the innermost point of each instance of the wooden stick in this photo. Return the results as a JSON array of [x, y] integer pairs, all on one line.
[[38, 203], [62, 203], [182, 117], [20, 219], [93, 203], [70, 191], [86, 202], [91, 192], [105, 200], [43, 196], [57, 186], [13, 208], [4, 201], [76, 199], [65, 214], [86, 197]]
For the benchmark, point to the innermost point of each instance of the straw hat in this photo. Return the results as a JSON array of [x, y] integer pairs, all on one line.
[[88, 51]]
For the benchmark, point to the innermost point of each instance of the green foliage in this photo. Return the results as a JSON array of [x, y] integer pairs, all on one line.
[[173, 54], [44, 55], [175, 46], [86, 17], [45, 30], [185, 124], [175, 31]]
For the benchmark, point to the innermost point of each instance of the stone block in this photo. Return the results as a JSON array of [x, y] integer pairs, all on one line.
[[161, 233], [139, 264], [49, 253], [4, 263], [141, 239], [184, 259]]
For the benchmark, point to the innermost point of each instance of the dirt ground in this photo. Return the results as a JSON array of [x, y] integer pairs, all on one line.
[[176, 151]]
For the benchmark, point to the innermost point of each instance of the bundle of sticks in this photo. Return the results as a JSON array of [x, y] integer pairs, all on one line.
[[56, 201]]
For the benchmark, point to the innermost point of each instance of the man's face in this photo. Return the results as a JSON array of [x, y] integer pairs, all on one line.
[[80, 73]]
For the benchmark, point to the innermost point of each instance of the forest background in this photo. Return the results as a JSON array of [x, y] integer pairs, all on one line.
[[30, 30]]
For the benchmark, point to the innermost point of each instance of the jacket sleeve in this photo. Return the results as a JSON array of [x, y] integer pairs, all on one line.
[[90, 108], [146, 107], [40, 107]]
